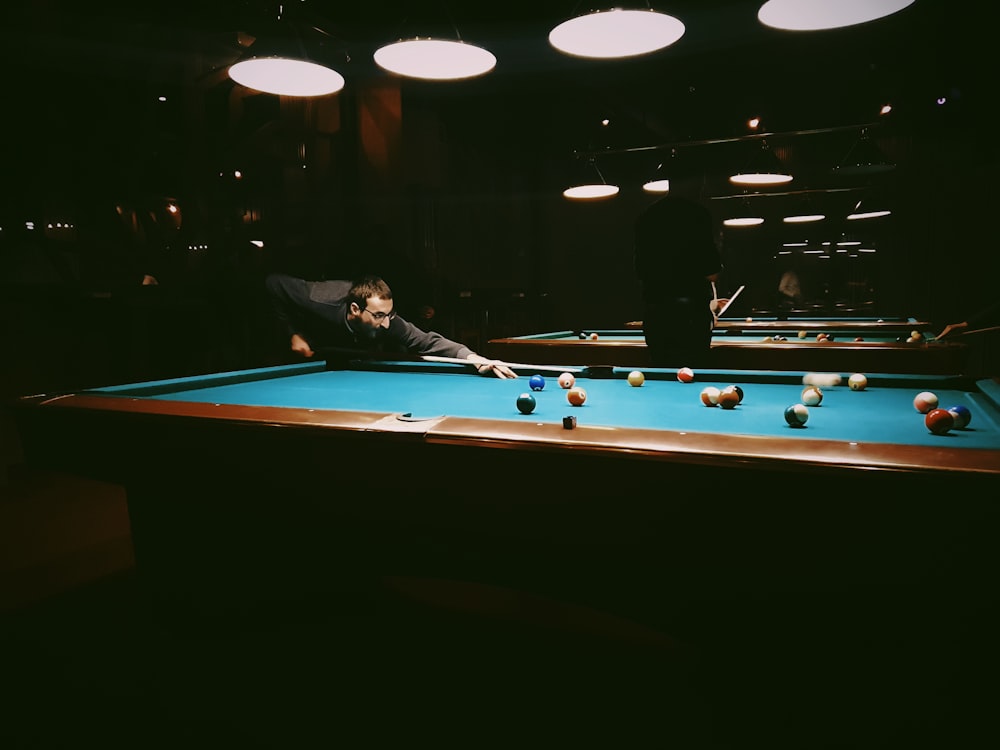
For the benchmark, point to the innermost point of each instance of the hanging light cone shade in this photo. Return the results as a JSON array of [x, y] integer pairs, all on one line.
[[763, 169], [590, 185], [435, 59], [659, 181], [286, 76], [863, 158], [868, 209], [815, 15], [616, 33]]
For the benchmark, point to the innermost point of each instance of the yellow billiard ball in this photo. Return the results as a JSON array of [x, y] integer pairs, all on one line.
[[636, 378]]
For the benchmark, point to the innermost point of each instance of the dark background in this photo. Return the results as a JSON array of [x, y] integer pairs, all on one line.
[[453, 190]]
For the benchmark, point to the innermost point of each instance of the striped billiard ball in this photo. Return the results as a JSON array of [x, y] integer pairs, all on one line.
[[925, 401], [962, 416], [797, 415]]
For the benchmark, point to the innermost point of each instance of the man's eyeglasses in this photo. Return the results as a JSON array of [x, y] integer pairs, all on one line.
[[380, 316]]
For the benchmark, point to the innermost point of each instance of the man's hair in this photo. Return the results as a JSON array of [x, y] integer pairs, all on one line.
[[367, 287]]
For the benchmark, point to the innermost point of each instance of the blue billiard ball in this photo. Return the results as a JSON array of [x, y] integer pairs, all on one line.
[[536, 382], [962, 416], [526, 403]]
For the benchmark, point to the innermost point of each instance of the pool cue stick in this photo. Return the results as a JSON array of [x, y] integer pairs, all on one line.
[[511, 365], [979, 330], [731, 300]]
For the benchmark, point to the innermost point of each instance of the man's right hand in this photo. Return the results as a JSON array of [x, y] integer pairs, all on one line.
[[301, 346]]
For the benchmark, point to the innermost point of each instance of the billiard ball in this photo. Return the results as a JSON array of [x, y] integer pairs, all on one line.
[[803, 334], [566, 380], [636, 378], [925, 402], [526, 403], [820, 336], [822, 379], [728, 398], [830, 337], [939, 421], [857, 382], [797, 415], [710, 395], [812, 395], [749, 320], [916, 335], [593, 337], [582, 335], [962, 416], [685, 375], [576, 396], [737, 389], [536, 382], [858, 338]]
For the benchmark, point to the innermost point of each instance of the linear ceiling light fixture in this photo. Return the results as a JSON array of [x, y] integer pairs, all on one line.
[[616, 33], [817, 15], [279, 64]]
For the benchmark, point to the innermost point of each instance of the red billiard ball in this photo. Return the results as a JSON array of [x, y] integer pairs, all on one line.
[[685, 375], [939, 421], [593, 337], [576, 396], [710, 395]]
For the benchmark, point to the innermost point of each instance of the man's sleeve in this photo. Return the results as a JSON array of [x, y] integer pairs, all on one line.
[[417, 341]]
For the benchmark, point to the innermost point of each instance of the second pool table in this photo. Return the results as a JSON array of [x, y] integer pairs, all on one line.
[[750, 348]]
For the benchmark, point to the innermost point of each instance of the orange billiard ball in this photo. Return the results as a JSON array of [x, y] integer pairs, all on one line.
[[685, 375], [728, 398], [576, 396], [593, 337]]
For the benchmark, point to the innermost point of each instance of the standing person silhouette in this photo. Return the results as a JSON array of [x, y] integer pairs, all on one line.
[[677, 262]]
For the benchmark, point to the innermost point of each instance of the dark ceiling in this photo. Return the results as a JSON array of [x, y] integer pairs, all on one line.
[[99, 65]]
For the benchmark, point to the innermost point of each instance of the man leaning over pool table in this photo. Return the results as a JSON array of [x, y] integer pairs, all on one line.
[[358, 315]]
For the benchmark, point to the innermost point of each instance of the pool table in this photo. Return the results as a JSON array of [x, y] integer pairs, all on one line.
[[254, 486], [897, 325], [738, 347]]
